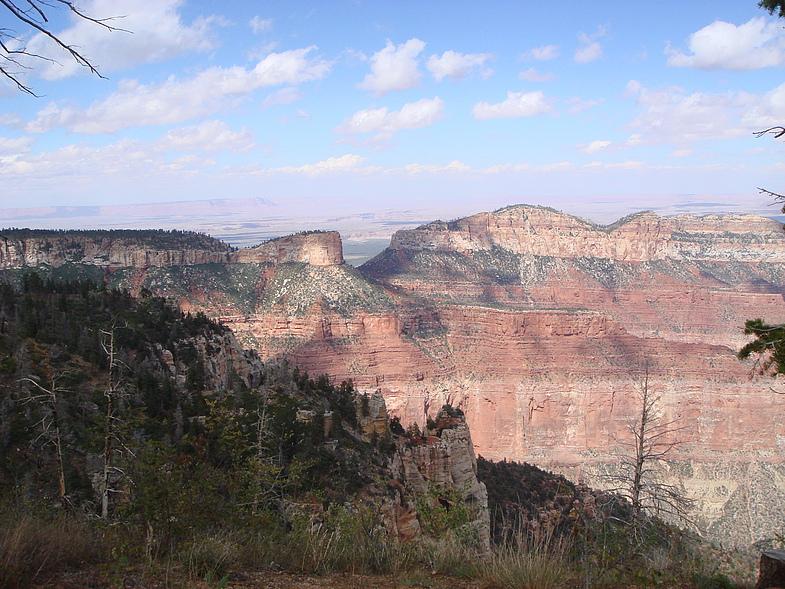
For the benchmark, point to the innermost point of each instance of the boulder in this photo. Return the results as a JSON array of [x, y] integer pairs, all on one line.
[[772, 570]]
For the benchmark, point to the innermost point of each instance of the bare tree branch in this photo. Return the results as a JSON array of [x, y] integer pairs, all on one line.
[[33, 14]]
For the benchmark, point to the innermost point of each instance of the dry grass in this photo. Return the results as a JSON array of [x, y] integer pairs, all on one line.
[[524, 562], [32, 549]]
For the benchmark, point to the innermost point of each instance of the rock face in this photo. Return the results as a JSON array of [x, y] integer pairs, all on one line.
[[317, 249], [443, 461], [143, 249], [643, 237], [772, 570]]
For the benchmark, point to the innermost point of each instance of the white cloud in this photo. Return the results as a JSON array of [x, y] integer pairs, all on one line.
[[633, 140], [628, 165], [174, 101], [671, 115], [286, 95], [595, 146], [542, 53], [685, 152], [125, 158], [14, 145], [452, 64], [578, 105], [453, 166], [532, 75], [260, 25], [384, 123], [767, 110], [9, 120], [589, 48], [207, 136], [723, 45], [157, 33], [517, 104], [344, 163], [394, 68]]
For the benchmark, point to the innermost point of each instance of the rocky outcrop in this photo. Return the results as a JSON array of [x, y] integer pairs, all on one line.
[[772, 570], [443, 462], [144, 249], [317, 249], [24, 248], [643, 237]]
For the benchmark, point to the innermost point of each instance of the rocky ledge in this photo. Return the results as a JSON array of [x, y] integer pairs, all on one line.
[[539, 231], [20, 248]]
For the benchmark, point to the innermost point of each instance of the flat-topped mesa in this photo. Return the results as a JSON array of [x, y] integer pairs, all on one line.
[[21, 248], [539, 231], [317, 248]]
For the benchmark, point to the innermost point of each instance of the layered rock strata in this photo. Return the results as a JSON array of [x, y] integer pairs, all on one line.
[[144, 249]]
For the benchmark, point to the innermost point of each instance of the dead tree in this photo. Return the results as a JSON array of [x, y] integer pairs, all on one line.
[[651, 439], [777, 132], [33, 16], [113, 442], [47, 399]]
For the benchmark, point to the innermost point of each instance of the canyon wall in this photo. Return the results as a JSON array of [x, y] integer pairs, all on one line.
[[143, 249], [537, 325], [639, 238]]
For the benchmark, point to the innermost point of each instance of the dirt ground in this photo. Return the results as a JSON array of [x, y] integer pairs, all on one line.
[[260, 580]]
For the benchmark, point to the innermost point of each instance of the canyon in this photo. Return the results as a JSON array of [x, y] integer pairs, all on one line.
[[536, 324]]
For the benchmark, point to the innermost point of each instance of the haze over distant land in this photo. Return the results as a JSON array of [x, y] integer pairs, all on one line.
[[366, 231]]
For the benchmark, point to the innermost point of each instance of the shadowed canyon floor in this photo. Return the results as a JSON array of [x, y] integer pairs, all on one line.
[[535, 323]]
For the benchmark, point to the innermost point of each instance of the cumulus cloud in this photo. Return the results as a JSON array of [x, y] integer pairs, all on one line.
[[10, 120], [286, 95], [627, 165], [207, 136], [395, 67], [344, 163], [542, 53], [672, 115], [595, 146], [124, 158], [14, 145], [767, 110], [452, 64], [533, 75], [158, 33], [174, 101], [383, 123], [589, 47], [755, 44], [517, 104], [453, 166], [260, 25]]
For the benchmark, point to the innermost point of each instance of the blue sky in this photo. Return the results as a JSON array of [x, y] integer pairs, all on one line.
[[377, 105]]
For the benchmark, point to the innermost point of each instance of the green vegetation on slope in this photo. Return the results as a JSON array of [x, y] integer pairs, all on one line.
[[162, 239]]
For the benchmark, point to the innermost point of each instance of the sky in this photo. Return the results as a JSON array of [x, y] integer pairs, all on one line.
[[353, 106]]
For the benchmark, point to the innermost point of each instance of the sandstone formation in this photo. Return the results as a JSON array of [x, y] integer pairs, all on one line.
[[144, 249], [444, 461], [315, 248]]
